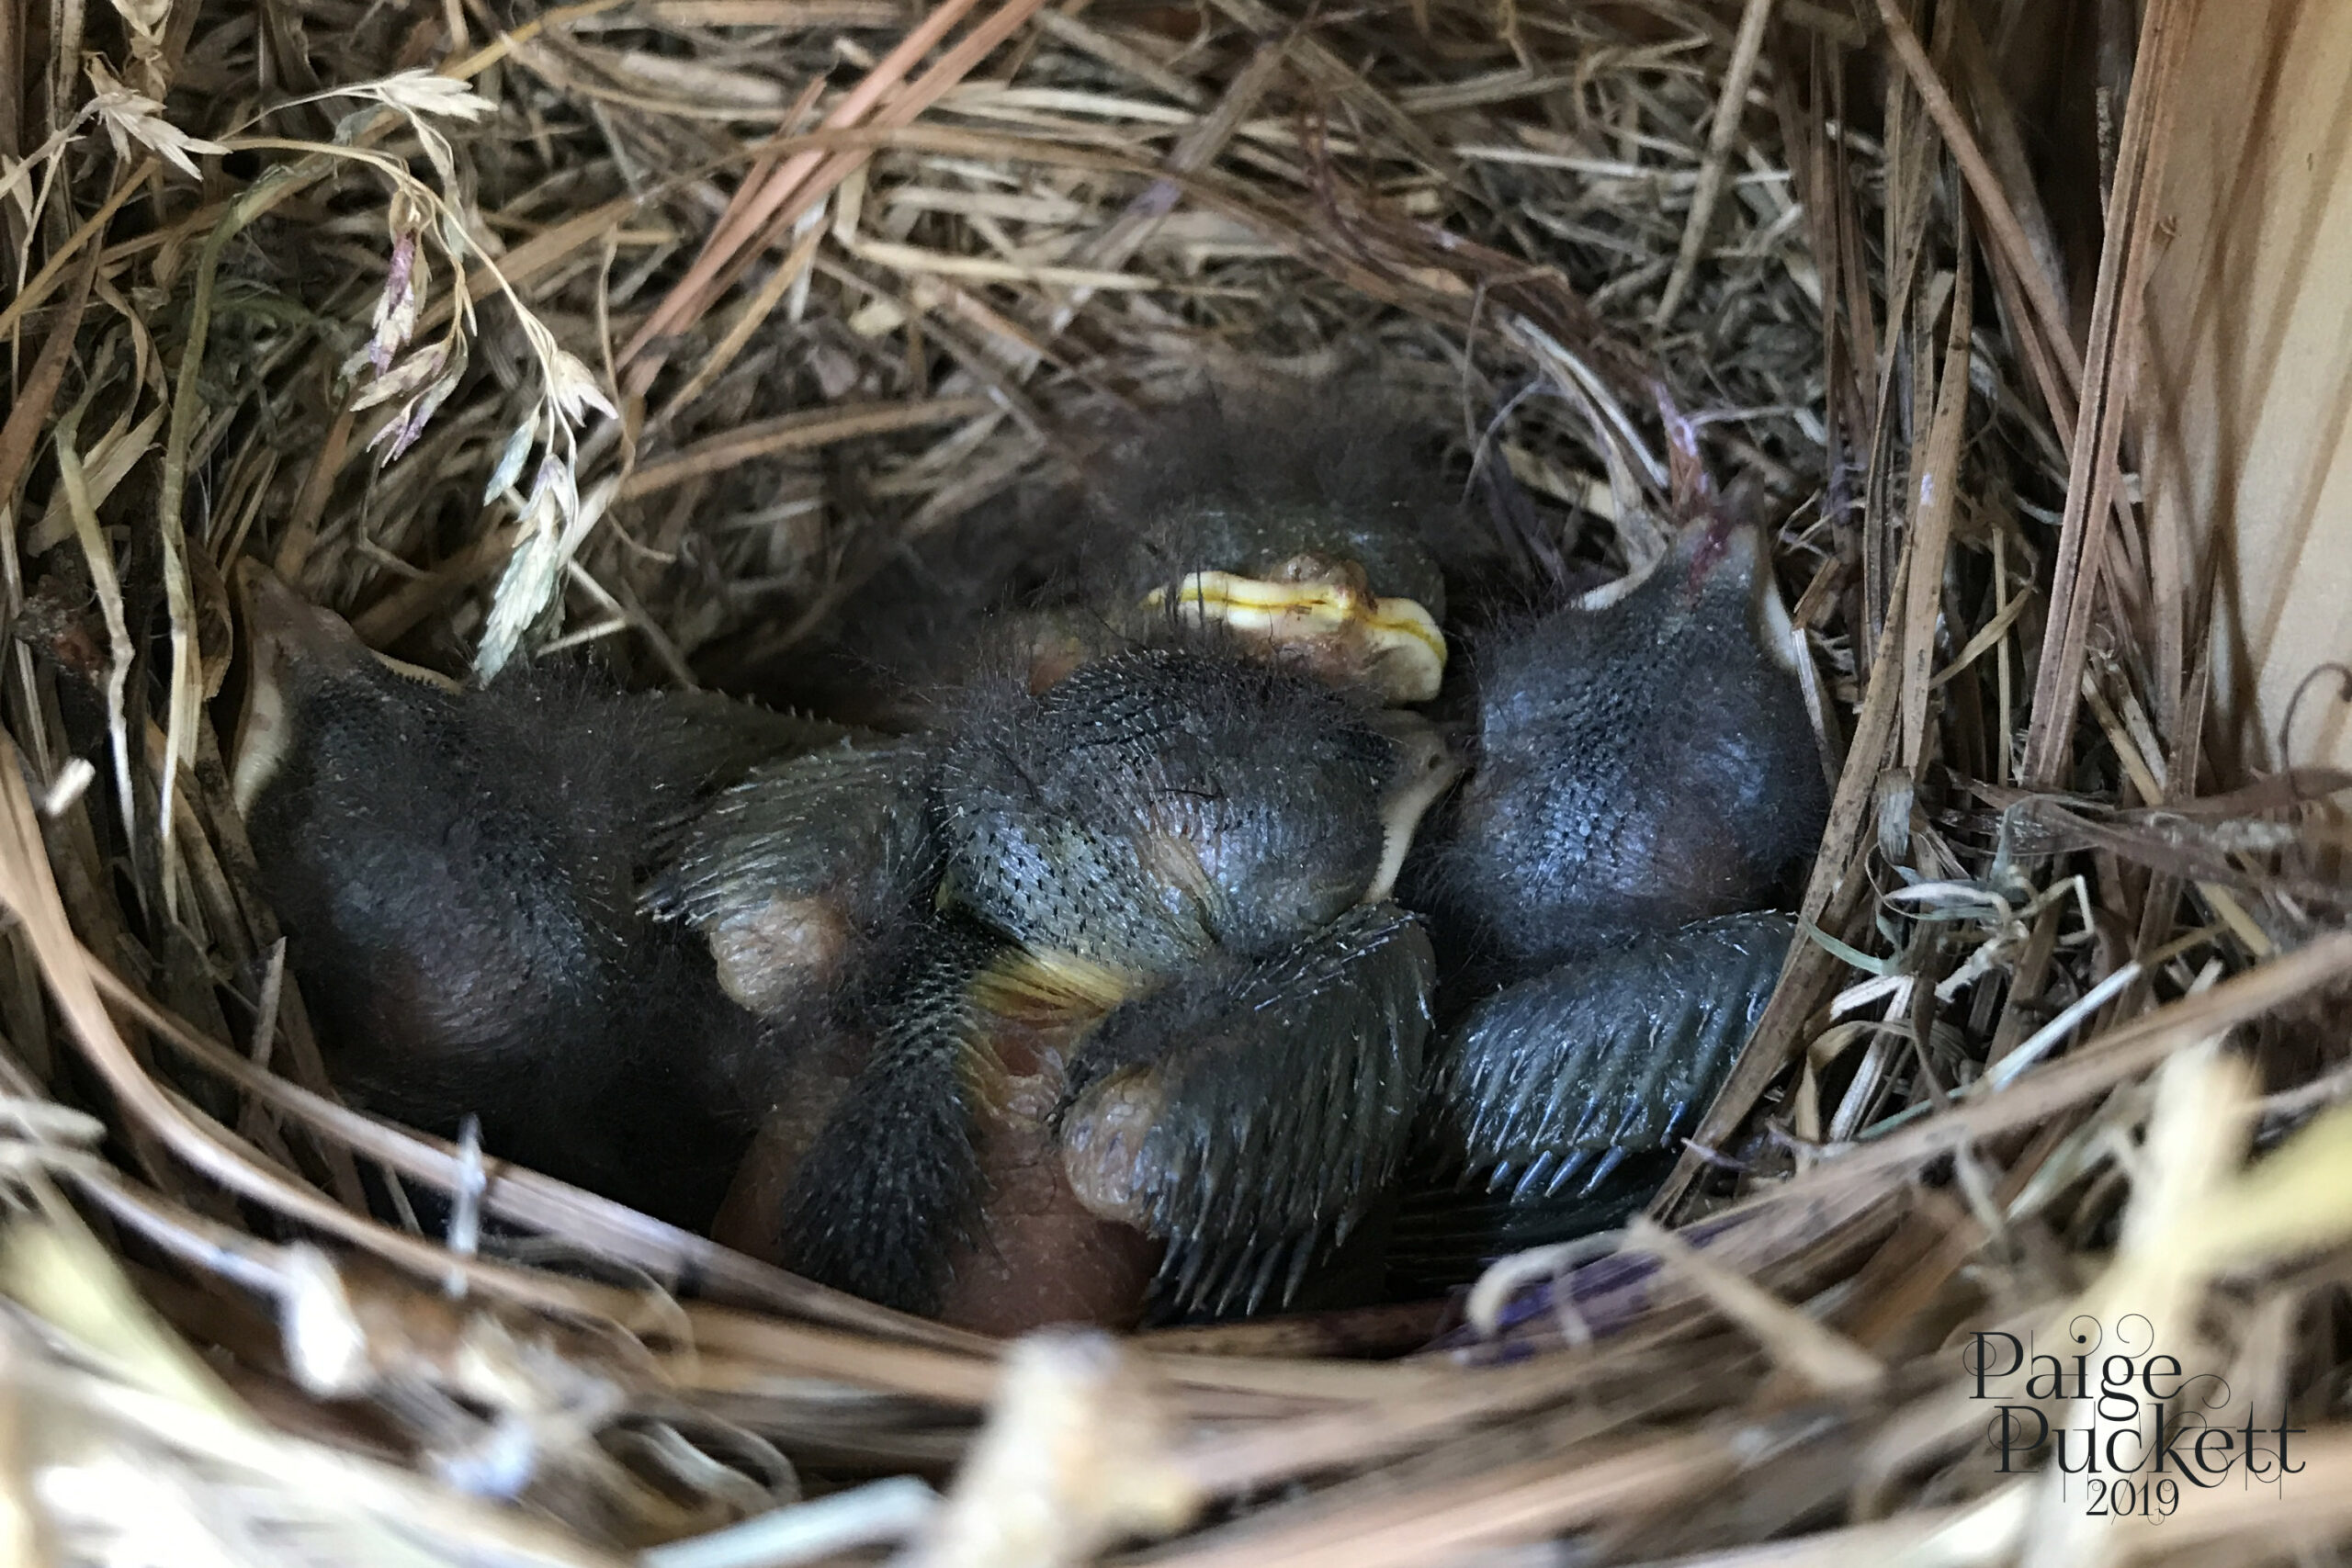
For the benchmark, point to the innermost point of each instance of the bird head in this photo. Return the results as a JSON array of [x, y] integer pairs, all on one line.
[[1300, 526], [1316, 609], [294, 647]]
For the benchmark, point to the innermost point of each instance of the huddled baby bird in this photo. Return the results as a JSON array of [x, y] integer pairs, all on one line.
[[1206, 934]]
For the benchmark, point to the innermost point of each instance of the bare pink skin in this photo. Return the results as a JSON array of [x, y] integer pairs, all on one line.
[[747, 1218], [1044, 1257]]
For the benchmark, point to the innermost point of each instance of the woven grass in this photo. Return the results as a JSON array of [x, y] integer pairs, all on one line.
[[665, 324]]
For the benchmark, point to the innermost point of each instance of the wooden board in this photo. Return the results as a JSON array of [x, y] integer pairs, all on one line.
[[2247, 395]]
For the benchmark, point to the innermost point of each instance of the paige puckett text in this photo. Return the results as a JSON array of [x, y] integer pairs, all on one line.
[[2128, 1418]]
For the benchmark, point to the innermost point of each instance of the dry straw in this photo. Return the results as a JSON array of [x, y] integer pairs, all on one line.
[[664, 324]]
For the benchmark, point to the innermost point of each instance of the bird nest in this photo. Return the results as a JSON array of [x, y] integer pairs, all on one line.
[[666, 325]]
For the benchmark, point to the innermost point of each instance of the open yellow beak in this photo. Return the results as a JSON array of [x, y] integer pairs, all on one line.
[[1341, 631]]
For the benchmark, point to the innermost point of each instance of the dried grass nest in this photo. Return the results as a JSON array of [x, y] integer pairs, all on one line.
[[307, 281]]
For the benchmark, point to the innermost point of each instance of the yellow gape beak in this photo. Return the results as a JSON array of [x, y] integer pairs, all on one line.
[[1338, 629]]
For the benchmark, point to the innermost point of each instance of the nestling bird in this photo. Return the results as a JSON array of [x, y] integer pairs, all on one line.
[[456, 873], [1643, 777], [1637, 765]]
